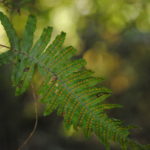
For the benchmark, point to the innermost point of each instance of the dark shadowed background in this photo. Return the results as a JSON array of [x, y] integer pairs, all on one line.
[[114, 37]]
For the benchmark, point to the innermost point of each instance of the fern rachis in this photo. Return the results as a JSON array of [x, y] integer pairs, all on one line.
[[67, 86]]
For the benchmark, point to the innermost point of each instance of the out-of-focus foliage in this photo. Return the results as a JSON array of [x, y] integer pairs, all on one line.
[[113, 36]]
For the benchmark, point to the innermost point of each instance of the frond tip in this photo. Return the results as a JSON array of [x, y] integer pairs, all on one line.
[[67, 86]]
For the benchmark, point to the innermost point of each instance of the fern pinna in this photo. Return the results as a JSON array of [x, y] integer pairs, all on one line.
[[66, 87]]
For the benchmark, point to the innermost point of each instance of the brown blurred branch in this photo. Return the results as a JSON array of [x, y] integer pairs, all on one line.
[[36, 120], [4, 46]]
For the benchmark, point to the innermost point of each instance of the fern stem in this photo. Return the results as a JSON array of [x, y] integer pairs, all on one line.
[[4, 46], [36, 120]]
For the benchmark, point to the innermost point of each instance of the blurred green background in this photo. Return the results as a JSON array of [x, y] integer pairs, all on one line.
[[114, 37]]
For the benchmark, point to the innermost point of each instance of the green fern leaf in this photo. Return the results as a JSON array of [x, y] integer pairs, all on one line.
[[11, 33], [24, 70], [67, 86]]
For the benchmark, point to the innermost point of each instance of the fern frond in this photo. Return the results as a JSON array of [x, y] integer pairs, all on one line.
[[67, 86]]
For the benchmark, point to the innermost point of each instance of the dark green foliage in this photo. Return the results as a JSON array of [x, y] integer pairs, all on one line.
[[67, 86], [6, 57]]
